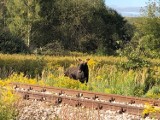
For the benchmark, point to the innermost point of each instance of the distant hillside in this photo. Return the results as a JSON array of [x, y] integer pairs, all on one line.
[[128, 11], [133, 20]]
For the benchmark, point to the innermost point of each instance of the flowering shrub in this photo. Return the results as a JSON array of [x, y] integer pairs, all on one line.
[[7, 99], [64, 82], [152, 110], [21, 79]]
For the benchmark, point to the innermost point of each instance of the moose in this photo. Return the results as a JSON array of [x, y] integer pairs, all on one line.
[[81, 72]]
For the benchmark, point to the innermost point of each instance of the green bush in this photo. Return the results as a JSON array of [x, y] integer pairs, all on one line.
[[135, 63], [7, 102], [11, 44], [54, 48], [7, 112], [30, 67], [152, 79], [154, 92]]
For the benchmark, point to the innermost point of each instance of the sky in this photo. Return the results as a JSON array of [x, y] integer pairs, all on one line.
[[129, 8]]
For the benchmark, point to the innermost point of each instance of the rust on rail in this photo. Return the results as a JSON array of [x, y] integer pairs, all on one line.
[[80, 102], [87, 94], [86, 99]]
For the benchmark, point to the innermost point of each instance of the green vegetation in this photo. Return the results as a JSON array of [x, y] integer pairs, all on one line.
[[79, 28], [7, 100], [59, 27], [11, 44], [116, 75], [86, 26], [145, 41]]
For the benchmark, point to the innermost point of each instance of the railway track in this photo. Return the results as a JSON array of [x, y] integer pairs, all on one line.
[[77, 98]]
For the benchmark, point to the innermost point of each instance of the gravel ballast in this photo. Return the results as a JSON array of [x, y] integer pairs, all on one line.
[[37, 110]]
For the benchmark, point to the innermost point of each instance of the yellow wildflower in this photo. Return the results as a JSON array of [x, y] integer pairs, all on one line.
[[91, 62], [99, 77]]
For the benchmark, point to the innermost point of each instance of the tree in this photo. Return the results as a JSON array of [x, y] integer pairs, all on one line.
[[2, 15], [148, 31], [150, 40], [11, 44], [21, 15], [81, 25], [76, 25]]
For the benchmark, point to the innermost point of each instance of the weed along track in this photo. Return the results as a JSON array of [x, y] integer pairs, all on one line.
[[77, 98]]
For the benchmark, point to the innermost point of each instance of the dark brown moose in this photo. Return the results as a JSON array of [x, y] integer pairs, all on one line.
[[81, 72]]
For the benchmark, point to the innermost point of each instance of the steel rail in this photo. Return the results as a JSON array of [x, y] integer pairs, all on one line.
[[89, 95], [76, 102], [81, 98]]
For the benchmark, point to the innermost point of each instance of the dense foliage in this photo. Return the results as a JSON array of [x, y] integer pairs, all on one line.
[[76, 25], [11, 44], [146, 41], [88, 26]]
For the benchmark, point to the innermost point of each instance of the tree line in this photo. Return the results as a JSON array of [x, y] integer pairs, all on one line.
[[87, 26]]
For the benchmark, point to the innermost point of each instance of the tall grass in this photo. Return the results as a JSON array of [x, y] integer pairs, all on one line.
[[105, 73]]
